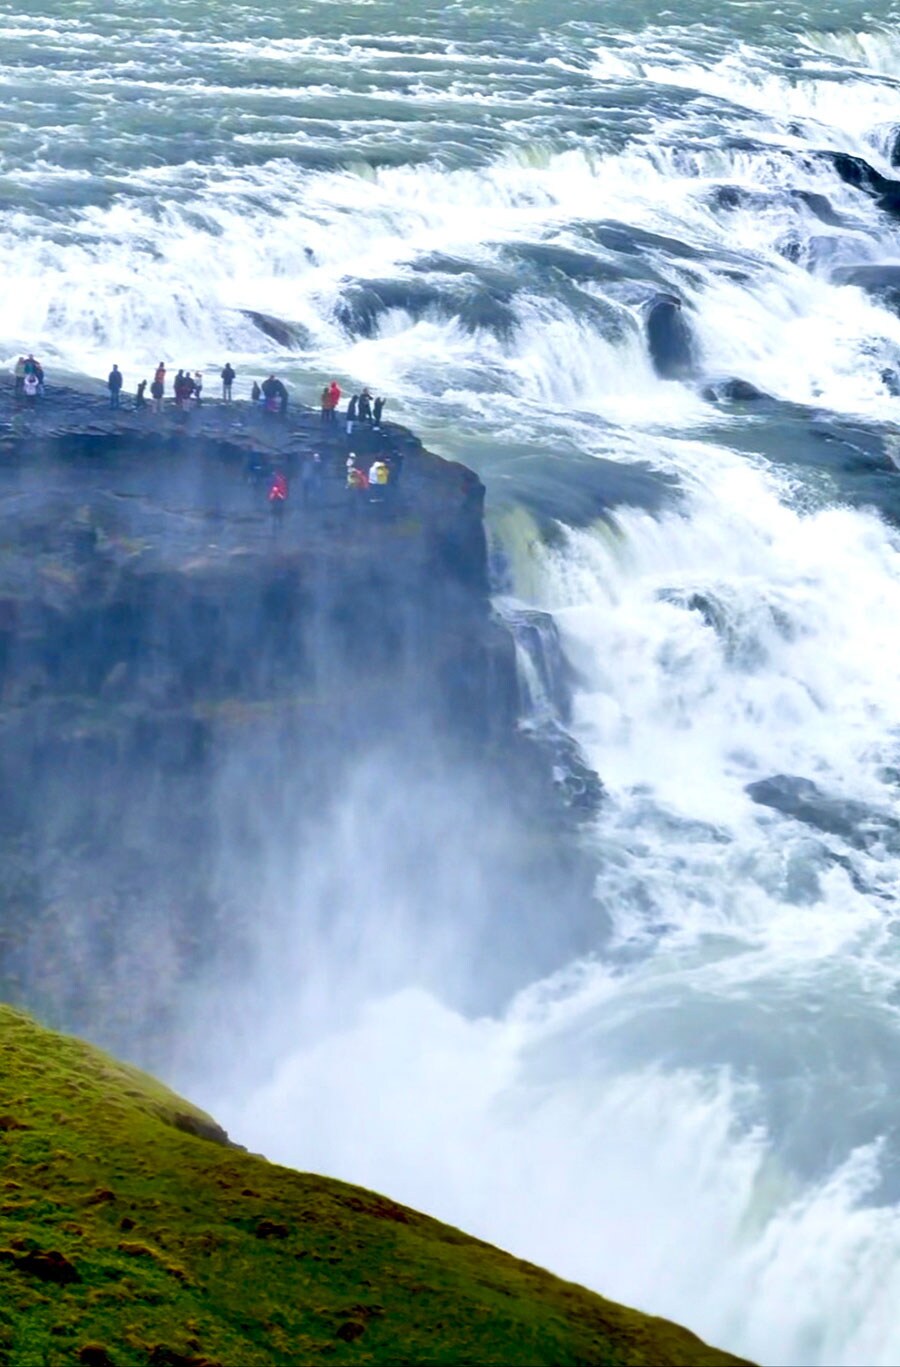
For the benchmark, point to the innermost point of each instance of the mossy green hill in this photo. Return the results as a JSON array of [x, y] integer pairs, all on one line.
[[132, 1233]]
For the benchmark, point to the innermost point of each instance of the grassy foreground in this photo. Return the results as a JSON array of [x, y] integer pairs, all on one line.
[[128, 1235]]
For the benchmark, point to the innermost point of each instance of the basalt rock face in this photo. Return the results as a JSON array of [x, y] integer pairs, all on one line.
[[181, 672], [670, 340]]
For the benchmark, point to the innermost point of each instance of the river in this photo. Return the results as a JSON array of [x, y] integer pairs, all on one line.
[[468, 207]]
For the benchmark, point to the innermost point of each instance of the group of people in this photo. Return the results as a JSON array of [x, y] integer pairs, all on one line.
[[271, 394], [372, 483], [29, 378], [361, 408], [187, 389]]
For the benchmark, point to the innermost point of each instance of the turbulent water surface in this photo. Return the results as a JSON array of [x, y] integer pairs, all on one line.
[[470, 208]]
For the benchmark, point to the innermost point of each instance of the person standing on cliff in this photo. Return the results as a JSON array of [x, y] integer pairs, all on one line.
[[334, 392], [365, 405], [114, 384], [351, 413], [325, 401], [277, 496], [139, 400], [377, 410], [156, 392], [160, 377], [228, 378]]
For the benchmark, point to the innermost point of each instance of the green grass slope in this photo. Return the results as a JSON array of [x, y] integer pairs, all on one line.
[[128, 1235]]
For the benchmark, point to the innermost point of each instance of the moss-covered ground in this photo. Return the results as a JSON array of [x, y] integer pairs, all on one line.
[[129, 1235]]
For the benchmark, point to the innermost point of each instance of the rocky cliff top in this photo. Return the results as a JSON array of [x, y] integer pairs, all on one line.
[[192, 482]]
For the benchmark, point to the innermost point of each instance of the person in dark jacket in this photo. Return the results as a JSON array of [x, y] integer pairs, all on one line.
[[228, 376], [255, 393], [365, 406], [157, 389], [377, 410], [352, 408], [114, 384], [139, 400]]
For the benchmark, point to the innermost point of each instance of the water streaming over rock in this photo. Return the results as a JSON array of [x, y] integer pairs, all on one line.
[[472, 209]]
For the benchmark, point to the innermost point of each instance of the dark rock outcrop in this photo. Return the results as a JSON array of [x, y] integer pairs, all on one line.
[[188, 685], [733, 390], [670, 340], [860, 824], [881, 280], [474, 304], [293, 336], [858, 173]]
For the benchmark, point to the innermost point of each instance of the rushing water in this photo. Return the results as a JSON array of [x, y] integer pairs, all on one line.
[[703, 1118]]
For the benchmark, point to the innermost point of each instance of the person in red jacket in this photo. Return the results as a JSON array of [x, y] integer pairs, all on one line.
[[278, 491], [334, 398]]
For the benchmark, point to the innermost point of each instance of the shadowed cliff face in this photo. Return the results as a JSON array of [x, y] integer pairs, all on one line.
[[234, 750]]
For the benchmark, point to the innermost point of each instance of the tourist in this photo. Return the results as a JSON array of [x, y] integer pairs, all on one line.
[[334, 392], [377, 410], [352, 406], [157, 390], [33, 367], [277, 495], [325, 401], [114, 384], [30, 387], [160, 378], [357, 483], [282, 396], [365, 406], [271, 391], [20, 376], [139, 400], [255, 393], [228, 378], [198, 387], [378, 479]]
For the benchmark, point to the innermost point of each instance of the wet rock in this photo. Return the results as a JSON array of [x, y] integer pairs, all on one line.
[[669, 338], [821, 206], [860, 824], [858, 173], [893, 148], [575, 265], [264, 670], [293, 336], [880, 280], [363, 304], [891, 381], [733, 390]]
